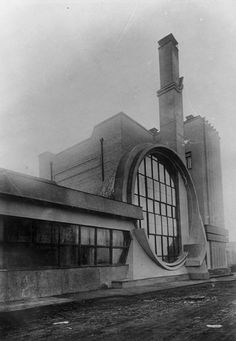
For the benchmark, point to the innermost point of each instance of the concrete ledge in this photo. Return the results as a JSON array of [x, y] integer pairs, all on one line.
[[26, 187], [103, 294], [28, 284]]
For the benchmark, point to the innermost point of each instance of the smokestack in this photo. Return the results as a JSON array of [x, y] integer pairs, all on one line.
[[170, 96]]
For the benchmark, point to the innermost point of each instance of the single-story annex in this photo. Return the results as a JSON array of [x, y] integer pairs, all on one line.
[[128, 206]]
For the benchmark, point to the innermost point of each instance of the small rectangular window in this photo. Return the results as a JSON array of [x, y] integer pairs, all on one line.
[[87, 235], [103, 255], [103, 237], [87, 255], [69, 234], [188, 157]]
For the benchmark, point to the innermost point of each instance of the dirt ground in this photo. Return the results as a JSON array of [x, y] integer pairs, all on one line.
[[202, 312]]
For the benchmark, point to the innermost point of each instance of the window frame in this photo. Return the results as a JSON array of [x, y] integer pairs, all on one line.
[[189, 160], [18, 222], [164, 178]]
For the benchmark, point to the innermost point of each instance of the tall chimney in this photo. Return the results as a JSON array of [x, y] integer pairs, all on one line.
[[170, 96]]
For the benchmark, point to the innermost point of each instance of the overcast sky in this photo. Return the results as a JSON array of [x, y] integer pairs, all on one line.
[[67, 65]]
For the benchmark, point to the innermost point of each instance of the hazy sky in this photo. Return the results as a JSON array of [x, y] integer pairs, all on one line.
[[67, 65]]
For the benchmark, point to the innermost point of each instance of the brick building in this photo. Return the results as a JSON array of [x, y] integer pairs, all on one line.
[[128, 206]]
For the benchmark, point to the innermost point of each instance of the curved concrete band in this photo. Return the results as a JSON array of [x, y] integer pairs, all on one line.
[[124, 188]]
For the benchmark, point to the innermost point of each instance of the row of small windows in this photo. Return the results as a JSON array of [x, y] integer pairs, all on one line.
[[35, 243]]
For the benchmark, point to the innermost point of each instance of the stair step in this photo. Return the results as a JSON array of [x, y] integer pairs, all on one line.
[[128, 283], [220, 272]]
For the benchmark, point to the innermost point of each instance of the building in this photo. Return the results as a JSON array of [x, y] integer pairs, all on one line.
[[128, 206]]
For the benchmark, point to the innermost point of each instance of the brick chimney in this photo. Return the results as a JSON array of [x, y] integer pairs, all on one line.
[[170, 96]]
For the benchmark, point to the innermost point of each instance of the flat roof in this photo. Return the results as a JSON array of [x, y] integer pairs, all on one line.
[[24, 186]]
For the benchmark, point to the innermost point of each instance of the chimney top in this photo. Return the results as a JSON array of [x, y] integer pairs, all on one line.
[[167, 39]]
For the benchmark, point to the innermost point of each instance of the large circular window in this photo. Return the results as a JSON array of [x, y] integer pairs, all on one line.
[[156, 192]]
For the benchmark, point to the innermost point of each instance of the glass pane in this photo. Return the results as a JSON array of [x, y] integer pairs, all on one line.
[[168, 195], [87, 255], [148, 167], [158, 241], [27, 256], [118, 256], [103, 237], [150, 206], [164, 225], [142, 190], [167, 177], [157, 207], [150, 187], [173, 212], [54, 233], [136, 186], [143, 203], [155, 170], [171, 247], [158, 224], [117, 238], [136, 201], [175, 227], [44, 255], [164, 244], [69, 234], [103, 255], [170, 226], [161, 172], [157, 190], [163, 192], [173, 197], [151, 223], [169, 211], [120, 238], [11, 229], [152, 243], [163, 209], [68, 255], [87, 235], [25, 230], [43, 232], [141, 168]]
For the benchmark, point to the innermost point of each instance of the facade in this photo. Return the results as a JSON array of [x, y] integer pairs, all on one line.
[[128, 206]]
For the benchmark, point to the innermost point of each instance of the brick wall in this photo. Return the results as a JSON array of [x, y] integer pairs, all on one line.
[[80, 167]]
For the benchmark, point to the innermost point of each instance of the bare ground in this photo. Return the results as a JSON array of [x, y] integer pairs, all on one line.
[[174, 314]]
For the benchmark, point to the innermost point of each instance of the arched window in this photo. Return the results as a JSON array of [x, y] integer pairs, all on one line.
[[156, 192]]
